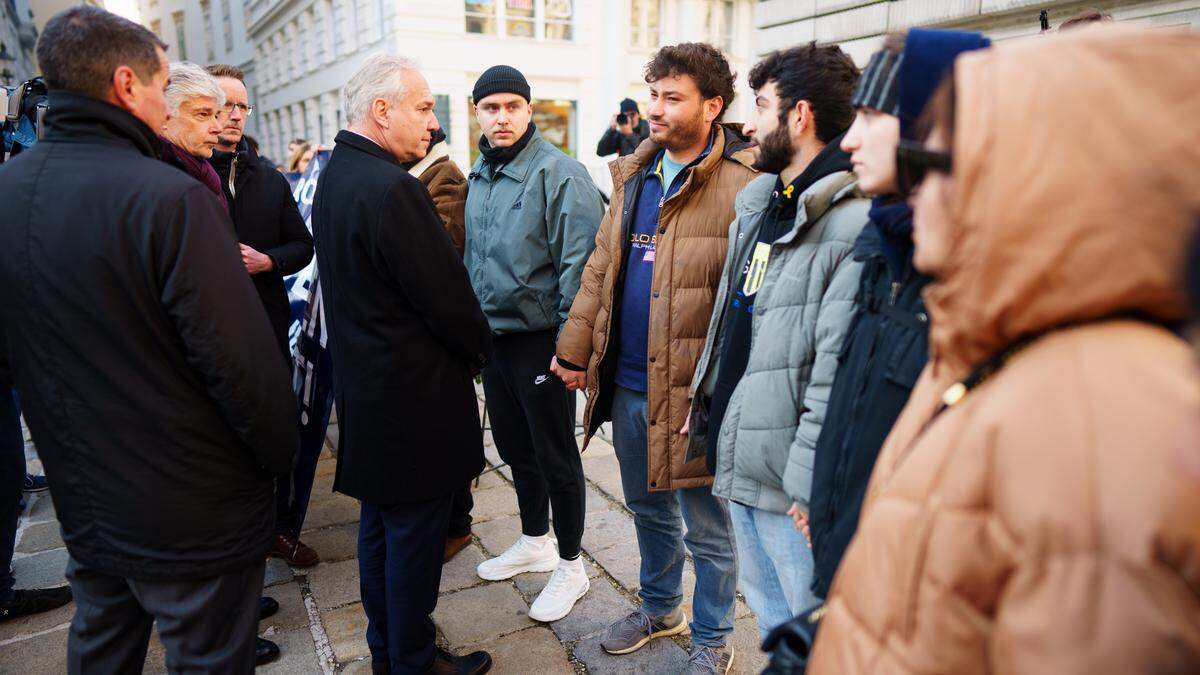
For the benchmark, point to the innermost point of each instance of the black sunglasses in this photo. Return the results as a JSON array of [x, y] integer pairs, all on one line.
[[913, 160]]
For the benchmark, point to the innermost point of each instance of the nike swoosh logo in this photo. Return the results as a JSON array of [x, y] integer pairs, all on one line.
[[540, 379]]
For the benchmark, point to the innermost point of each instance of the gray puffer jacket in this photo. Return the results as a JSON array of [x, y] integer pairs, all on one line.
[[765, 452]]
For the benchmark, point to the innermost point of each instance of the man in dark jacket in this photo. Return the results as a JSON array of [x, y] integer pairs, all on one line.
[[134, 339], [888, 340], [625, 132], [406, 334], [275, 243], [532, 215]]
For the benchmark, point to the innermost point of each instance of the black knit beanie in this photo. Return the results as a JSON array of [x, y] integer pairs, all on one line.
[[500, 80]]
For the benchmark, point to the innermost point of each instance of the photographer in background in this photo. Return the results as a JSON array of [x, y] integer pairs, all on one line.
[[626, 131]]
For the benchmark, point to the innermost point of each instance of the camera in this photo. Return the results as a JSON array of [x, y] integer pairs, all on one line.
[[622, 118]]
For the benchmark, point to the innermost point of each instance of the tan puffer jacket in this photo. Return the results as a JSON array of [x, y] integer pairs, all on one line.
[[1041, 524], [692, 239]]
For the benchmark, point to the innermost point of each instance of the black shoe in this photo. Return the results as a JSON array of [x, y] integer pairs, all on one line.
[[265, 651], [34, 601], [267, 607], [445, 663]]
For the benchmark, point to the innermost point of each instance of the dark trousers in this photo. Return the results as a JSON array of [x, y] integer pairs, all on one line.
[[533, 424], [400, 548], [12, 479], [292, 493], [460, 512], [206, 625]]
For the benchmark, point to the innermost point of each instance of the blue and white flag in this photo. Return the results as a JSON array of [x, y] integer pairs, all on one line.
[[313, 372]]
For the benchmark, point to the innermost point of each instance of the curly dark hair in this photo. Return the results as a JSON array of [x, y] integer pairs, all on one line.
[[702, 62], [823, 75]]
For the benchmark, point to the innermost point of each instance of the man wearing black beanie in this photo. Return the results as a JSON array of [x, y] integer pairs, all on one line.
[[532, 215]]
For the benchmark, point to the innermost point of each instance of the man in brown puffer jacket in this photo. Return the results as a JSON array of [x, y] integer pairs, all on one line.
[[635, 333]]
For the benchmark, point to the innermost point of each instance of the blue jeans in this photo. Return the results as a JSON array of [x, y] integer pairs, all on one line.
[[776, 570], [657, 520]]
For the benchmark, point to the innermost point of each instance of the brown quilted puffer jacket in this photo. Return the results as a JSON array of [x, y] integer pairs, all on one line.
[[692, 239]]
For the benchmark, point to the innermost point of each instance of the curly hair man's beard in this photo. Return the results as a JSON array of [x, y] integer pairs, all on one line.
[[680, 136], [774, 151]]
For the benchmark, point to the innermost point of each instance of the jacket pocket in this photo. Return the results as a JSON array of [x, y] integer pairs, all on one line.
[[907, 360]]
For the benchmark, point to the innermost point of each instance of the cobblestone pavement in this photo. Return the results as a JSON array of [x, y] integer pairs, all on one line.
[[320, 626]]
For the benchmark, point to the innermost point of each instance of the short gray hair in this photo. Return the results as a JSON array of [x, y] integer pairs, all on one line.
[[188, 81], [380, 77]]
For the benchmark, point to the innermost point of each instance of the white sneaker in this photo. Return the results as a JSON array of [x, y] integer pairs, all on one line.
[[529, 554], [568, 584]]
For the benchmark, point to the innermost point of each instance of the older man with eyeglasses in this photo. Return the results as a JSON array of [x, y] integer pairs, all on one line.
[[275, 243]]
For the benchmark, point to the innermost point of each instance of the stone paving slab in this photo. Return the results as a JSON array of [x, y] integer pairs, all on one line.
[[622, 561], [40, 509], [292, 613], [338, 542], [605, 529], [41, 570], [334, 584], [533, 650], [493, 503], [481, 614], [296, 653], [334, 509], [459, 573], [594, 612], [748, 657], [46, 653], [40, 537], [660, 656], [277, 572], [497, 535], [347, 630], [605, 472]]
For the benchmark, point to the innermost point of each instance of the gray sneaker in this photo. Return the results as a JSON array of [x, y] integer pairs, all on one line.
[[637, 630], [710, 660]]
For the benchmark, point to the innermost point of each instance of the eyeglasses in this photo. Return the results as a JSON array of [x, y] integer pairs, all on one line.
[[913, 161], [247, 109]]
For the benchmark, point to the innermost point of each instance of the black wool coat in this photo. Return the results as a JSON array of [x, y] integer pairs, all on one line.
[[405, 331], [268, 220], [135, 340]]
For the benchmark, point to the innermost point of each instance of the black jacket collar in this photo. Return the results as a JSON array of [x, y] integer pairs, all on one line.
[[363, 144], [75, 117]]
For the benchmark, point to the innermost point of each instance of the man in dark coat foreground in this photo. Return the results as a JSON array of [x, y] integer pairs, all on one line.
[[406, 335], [134, 338]]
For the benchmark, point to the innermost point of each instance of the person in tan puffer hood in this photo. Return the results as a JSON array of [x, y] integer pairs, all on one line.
[[1036, 521]]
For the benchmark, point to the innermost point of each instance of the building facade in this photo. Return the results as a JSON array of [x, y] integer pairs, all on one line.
[[581, 58], [18, 36], [859, 25]]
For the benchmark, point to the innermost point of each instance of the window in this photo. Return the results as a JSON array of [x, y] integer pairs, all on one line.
[[519, 18], [559, 16], [206, 17], [645, 20], [180, 42], [441, 110], [555, 120], [227, 25], [720, 23], [481, 16], [535, 19]]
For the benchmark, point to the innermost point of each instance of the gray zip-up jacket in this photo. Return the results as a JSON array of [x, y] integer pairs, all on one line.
[[765, 452], [530, 229]]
